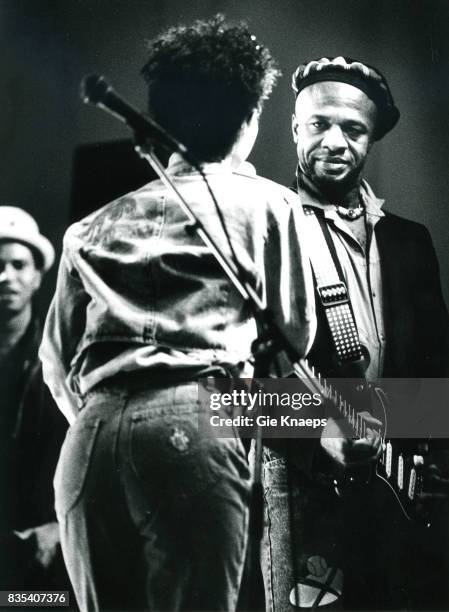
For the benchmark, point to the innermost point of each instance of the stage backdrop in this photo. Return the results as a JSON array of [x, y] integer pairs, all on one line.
[[46, 47]]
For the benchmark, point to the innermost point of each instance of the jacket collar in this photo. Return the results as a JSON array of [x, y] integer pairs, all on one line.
[[177, 166]]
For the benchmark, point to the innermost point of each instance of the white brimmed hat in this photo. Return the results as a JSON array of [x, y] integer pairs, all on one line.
[[19, 226]]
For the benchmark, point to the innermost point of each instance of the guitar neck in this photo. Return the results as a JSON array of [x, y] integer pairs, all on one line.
[[316, 383], [401, 472]]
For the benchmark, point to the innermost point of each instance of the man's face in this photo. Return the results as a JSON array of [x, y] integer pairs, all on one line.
[[19, 277], [333, 128]]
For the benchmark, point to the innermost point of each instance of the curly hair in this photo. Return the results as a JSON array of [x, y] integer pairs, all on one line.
[[204, 80]]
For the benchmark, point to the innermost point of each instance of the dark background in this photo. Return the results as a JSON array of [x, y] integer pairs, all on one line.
[[47, 46]]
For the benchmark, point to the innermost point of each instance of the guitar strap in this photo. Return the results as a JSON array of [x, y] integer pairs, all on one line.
[[334, 298], [331, 288]]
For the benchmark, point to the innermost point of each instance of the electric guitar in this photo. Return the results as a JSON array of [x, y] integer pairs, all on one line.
[[400, 467]]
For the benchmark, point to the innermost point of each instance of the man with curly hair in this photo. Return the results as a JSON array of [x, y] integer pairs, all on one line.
[[153, 508]]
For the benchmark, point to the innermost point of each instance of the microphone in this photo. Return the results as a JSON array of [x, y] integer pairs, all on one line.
[[96, 90]]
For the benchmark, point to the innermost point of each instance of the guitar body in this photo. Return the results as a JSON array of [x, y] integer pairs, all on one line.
[[376, 545], [400, 468]]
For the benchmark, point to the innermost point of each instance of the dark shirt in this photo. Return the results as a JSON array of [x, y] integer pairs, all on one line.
[[31, 434], [13, 372]]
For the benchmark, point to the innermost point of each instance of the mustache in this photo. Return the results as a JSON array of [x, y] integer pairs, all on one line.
[[7, 290], [332, 159]]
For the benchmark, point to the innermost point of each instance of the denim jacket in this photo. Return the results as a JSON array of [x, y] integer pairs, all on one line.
[[137, 290]]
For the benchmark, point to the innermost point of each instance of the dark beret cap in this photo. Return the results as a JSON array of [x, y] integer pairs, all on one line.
[[363, 76]]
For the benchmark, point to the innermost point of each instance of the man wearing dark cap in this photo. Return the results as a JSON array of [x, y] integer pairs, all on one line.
[[31, 428], [388, 267]]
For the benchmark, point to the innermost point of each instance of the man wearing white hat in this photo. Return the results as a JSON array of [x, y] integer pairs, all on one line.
[[31, 429]]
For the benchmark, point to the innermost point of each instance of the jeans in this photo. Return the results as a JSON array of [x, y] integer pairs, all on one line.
[[153, 512], [300, 558]]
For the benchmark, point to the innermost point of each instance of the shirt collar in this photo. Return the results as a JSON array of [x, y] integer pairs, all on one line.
[[373, 203], [178, 166], [310, 196]]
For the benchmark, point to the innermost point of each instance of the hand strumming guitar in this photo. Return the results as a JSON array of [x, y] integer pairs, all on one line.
[[349, 452]]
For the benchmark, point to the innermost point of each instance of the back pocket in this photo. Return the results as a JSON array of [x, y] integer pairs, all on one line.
[[170, 456]]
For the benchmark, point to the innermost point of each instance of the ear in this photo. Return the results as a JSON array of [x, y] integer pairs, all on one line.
[[294, 128], [371, 141], [37, 280], [373, 121]]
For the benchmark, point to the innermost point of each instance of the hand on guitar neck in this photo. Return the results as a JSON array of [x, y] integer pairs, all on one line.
[[349, 452]]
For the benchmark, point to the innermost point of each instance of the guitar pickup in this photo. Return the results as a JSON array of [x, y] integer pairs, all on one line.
[[400, 473], [412, 484], [389, 459], [333, 295]]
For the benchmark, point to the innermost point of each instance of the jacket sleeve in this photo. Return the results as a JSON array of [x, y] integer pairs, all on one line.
[[289, 286], [63, 331], [433, 314], [291, 297]]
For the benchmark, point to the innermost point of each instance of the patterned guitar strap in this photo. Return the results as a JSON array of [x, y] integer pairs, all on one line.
[[332, 289], [318, 581]]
